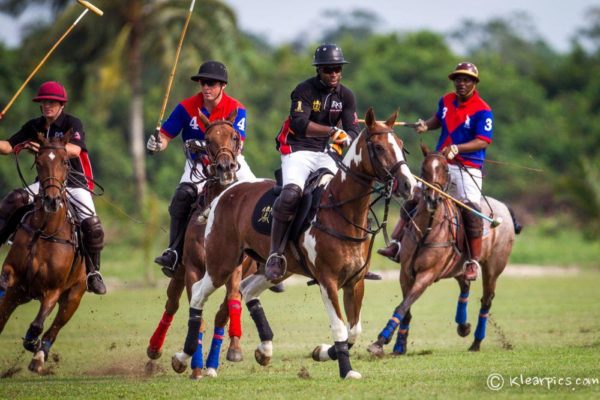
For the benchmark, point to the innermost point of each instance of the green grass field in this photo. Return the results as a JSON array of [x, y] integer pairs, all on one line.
[[545, 327]]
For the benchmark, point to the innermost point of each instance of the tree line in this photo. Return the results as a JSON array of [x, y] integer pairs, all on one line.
[[115, 68]]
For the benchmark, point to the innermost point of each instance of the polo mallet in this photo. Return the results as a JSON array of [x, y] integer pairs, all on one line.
[[495, 221], [170, 82], [397, 123], [88, 6]]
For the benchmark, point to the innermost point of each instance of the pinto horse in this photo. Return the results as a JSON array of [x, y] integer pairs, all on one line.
[[222, 145], [43, 262], [432, 248], [335, 249]]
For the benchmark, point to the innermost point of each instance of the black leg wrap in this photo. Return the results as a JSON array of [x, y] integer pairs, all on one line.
[[191, 340], [343, 355], [260, 320], [332, 352]]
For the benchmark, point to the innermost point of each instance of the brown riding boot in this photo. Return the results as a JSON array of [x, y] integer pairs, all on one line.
[[472, 265], [392, 251]]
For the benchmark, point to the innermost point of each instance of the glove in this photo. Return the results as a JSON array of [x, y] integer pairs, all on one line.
[[341, 138], [451, 151], [337, 148], [154, 145], [421, 126], [195, 146]]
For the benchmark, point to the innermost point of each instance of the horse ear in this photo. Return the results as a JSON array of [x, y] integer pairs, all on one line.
[[232, 116], [204, 119], [42, 138], [424, 149], [370, 118], [390, 121], [67, 136]]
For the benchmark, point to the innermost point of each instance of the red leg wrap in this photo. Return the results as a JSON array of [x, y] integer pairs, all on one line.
[[158, 338], [235, 318]]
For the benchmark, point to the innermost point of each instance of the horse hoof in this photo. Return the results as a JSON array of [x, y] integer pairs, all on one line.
[[463, 329], [196, 374], [178, 365], [399, 353], [234, 355], [210, 373], [261, 358], [320, 353], [376, 349], [353, 375], [153, 354], [37, 363], [475, 346]]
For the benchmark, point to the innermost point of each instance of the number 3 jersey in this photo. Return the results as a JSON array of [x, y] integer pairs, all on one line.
[[185, 117], [463, 122]]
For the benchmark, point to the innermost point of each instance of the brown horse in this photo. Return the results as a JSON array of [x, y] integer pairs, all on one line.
[[335, 248], [222, 147], [432, 248], [43, 262]]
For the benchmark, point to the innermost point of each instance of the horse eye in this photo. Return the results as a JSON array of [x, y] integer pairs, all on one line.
[[236, 138], [379, 148]]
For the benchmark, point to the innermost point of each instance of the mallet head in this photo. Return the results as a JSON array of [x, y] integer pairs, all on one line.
[[496, 221], [91, 7]]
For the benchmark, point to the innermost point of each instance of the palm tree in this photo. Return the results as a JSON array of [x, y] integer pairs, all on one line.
[[130, 35]]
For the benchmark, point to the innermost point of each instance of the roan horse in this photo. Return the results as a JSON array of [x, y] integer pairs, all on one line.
[[432, 249], [222, 144], [335, 248], [43, 262]]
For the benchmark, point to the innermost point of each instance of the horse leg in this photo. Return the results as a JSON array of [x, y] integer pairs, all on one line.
[[463, 328], [401, 346], [201, 290], [251, 288], [352, 304], [174, 291], [31, 341], [338, 330], [12, 298], [412, 292], [234, 308], [489, 291], [68, 303]]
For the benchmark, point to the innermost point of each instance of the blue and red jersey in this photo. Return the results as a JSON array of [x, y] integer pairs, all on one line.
[[463, 122], [185, 117]]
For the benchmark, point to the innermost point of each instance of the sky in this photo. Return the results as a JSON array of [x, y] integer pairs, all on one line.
[[279, 21]]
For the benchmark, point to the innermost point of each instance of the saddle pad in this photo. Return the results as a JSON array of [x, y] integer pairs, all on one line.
[[261, 216]]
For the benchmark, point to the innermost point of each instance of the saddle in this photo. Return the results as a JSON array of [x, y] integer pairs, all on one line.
[[311, 197]]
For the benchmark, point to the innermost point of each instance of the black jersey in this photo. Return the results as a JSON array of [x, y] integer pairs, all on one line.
[[64, 123], [314, 101]]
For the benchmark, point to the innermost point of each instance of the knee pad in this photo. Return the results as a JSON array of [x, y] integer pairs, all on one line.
[[185, 195], [286, 205], [13, 201], [473, 223], [93, 234]]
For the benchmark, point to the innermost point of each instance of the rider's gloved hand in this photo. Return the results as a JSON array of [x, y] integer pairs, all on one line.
[[420, 126], [341, 138], [153, 144], [450, 152]]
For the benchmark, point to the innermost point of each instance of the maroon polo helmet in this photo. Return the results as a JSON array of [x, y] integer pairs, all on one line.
[[51, 91]]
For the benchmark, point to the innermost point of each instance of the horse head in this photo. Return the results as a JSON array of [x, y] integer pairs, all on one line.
[[385, 149], [52, 164], [223, 145], [434, 170]]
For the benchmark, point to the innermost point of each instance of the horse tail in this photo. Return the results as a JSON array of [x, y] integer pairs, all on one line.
[[517, 226]]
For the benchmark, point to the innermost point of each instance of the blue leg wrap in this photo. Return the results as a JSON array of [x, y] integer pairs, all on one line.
[[400, 346], [481, 324], [461, 309], [197, 358], [391, 326], [2, 293], [46, 344], [212, 361]]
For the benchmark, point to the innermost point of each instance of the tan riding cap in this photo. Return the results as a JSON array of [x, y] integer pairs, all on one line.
[[465, 68]]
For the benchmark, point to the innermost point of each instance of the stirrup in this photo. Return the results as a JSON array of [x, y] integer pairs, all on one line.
[[102, 289], [477, 270], [168, 268], [282, 266], [396, 256]]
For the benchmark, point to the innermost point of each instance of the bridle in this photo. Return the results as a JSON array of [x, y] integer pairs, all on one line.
[[223, 151], [440, 186], [54, 182]]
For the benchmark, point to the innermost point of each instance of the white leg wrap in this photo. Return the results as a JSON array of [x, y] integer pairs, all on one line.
[[266, 348]]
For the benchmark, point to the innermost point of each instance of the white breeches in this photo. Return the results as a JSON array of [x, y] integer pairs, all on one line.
[[296, 166]]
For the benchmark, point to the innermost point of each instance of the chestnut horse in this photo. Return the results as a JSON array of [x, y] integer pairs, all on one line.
[[335, 248], [222, 146], [43, 262], [433, 248]]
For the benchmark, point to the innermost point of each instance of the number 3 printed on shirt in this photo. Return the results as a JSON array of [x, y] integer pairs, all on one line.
[[444, 111], [488, 124]]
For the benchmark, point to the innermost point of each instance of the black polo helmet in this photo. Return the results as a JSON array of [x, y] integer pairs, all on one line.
[[329, 54], [214, 70]]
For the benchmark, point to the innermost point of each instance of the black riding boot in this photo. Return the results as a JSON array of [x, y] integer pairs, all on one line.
[[179, 210], [93, 240], [284, 210], [9, 207]]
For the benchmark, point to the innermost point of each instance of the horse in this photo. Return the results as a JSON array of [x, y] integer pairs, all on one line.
[[433, 248], [44, 262], [334, 250], [222, 144]]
